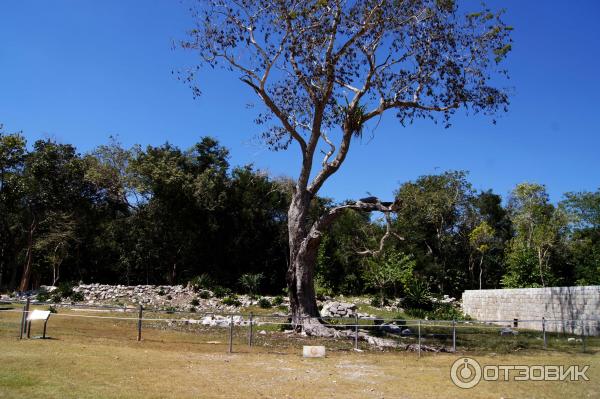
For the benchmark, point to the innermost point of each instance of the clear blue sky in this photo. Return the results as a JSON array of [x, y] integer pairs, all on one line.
[[79, 71]]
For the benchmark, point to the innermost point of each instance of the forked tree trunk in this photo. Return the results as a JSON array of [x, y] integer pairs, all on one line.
[[303, 257]]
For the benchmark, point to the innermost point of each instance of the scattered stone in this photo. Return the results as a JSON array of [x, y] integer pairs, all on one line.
[[176, 298], [381, 342], [338, 309], [391, 328], [507, 331]]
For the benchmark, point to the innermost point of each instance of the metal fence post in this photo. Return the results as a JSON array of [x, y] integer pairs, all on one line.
[[453, 335], [419, 338], [250, 332], [544, 332], [230, 333], [24, 318], [139, 337], [355, 331]]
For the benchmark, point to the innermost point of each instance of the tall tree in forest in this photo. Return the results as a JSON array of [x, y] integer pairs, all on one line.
[[482, 238], [325, 69], [539, 227], [583, 209], [59, 237], [12, 155], [432, 211], [182, 190], [53, 181]]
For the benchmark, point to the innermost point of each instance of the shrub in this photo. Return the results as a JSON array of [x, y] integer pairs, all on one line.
[[231, 301], [416, 313], [251, 283], [447, 311], [64, 290], [220, 292], [441, 311], [202, 281], [192, 310], [384, 272], [170, 309], [77, 297], [42, 296], [56, 297], [322, 291], [169, 297], [417, 296], [376, 301], [278, 300], [264, 303], [204, 294], [161, 292], [52, 309], [195, 302]]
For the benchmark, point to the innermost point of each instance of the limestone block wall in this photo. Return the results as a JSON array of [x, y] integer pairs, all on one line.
[[566, 309]]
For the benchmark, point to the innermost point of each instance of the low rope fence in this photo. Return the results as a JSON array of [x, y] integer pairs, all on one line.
[[414, 335]]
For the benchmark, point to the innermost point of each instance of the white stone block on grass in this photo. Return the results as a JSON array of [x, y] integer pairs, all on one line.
[[313, 351]]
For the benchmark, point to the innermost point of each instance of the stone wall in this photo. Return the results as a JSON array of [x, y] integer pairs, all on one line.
[[565, 309]]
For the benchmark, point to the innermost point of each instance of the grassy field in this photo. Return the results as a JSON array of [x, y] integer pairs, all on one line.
[[100, 358]]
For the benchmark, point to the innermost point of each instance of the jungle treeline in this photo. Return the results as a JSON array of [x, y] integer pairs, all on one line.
[[164, 215]]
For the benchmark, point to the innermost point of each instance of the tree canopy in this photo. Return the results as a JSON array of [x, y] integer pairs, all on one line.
[[323, 70]]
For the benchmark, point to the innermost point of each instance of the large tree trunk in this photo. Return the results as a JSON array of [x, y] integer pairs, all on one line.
[[26, 277], [303, 257], [304, 240]]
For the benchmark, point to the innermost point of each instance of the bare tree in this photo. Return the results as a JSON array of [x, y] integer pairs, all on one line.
[[324, 69]]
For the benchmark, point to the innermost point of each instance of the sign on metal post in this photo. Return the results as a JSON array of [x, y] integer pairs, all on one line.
[[37, 315]]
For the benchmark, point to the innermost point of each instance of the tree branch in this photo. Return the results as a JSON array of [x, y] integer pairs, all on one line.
[[275, 109], [385, 105], [388, 233], [325, 221]]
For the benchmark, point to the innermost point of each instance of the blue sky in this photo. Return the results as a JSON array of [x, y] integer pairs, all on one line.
[[79, 71]]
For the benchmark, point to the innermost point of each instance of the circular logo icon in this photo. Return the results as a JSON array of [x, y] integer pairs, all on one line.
[[465, 373]]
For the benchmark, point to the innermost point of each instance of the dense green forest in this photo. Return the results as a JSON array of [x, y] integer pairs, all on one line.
[[163, 215]]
